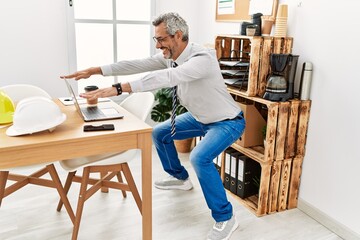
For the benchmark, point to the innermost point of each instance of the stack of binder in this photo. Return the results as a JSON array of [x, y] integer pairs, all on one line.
[[241, 174]]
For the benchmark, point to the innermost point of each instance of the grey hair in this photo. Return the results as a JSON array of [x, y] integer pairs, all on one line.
[[173, 23]]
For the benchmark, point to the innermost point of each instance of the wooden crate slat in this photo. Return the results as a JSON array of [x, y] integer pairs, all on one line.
[[236, 53], [271, 132], [274, 186], [304, 113], [292, 129], [281, 130], [250, 152], [218, 47], [264, 190], [264, 65], [254, 67], [287, 45], [245, 48], [295, 182], [227, 48], [284, 184], [277, 45]]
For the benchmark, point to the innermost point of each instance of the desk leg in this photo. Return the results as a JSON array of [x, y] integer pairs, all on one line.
[[145, 145]]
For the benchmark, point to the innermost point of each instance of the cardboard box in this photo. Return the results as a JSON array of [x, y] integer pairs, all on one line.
[[252, 135]]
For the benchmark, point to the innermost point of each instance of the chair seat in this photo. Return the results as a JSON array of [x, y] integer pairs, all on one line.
[[102, 159]]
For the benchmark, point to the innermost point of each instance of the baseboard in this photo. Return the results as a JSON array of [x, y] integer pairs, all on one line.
[[330, 223]]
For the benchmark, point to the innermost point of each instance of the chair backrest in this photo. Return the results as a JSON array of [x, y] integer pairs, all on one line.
[[18, 92], [139, 104]]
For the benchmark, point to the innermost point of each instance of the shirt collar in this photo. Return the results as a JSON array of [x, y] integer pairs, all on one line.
[[184, 55]]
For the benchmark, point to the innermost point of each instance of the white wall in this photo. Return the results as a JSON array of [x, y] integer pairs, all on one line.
[[33, 44]]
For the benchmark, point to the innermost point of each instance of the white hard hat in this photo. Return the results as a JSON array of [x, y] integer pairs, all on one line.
[[35, 114]]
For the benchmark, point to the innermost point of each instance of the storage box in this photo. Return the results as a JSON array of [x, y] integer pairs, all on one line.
[[252, 135]]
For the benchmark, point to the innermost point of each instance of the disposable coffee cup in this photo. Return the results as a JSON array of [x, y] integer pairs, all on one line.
[[250, 30], [89, 89]]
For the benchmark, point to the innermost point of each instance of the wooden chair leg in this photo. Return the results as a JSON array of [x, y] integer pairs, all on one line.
[[67, 186], [120, 179], [81, 200], [55, 177], [3, 179], [132, 186], [104, 189]]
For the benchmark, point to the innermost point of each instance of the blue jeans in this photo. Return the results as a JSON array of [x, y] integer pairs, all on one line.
[[217, 137]]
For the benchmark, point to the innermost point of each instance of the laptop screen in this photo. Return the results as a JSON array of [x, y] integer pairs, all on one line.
[[73, 96]]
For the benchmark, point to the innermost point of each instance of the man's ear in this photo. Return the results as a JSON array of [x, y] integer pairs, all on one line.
[[178, 35]]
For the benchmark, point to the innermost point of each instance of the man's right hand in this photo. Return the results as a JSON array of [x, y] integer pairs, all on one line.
[[84, 74]]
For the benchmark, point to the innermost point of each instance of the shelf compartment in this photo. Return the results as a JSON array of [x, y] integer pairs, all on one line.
[[258, 204]]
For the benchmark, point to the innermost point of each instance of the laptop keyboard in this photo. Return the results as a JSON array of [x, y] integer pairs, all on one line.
[[92, 112]]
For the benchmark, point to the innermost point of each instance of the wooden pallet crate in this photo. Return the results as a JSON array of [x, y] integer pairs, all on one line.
[[286, 128], [255, 50], [260, 153]]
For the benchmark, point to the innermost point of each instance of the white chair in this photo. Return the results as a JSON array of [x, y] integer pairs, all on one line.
[[18, 92], [108, 165]]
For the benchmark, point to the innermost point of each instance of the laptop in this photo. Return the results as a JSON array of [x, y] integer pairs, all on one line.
[[93, 113]]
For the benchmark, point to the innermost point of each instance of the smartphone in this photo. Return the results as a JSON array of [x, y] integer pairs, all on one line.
[[103, 127]]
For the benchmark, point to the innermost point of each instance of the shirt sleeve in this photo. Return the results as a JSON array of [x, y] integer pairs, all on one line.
[[128, 67], [196, 67]]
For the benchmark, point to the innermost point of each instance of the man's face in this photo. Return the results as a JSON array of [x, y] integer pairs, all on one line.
[[166, 42]]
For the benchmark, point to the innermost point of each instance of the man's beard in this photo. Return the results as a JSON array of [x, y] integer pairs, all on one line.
[[169, 53]]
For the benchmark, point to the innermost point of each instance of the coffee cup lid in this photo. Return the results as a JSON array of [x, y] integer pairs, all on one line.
[[91, 88]]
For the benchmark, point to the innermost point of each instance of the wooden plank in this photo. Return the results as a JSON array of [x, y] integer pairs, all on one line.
[[246, 48], [274, 186], [271, 132], [277, 45], [264, 190], [281, 130], [287, 45], [264, 65], [302, 127], [227, 48], [218, 47], [236, 49], [284, 184], [294, 185], [292, 129], [253, 153], [254, 67]]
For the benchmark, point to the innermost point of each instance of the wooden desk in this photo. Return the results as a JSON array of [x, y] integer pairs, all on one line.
[[69, 141]]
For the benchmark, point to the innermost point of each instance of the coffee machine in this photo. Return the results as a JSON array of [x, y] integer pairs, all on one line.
[[280, 82]]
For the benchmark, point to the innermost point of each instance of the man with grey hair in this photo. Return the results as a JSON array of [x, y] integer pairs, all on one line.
[[194, 74]]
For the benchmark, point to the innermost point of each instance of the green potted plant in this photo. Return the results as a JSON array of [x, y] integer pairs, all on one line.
[[162, 111]]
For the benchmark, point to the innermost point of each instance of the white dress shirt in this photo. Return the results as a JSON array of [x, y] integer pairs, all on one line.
[[201, 87]]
